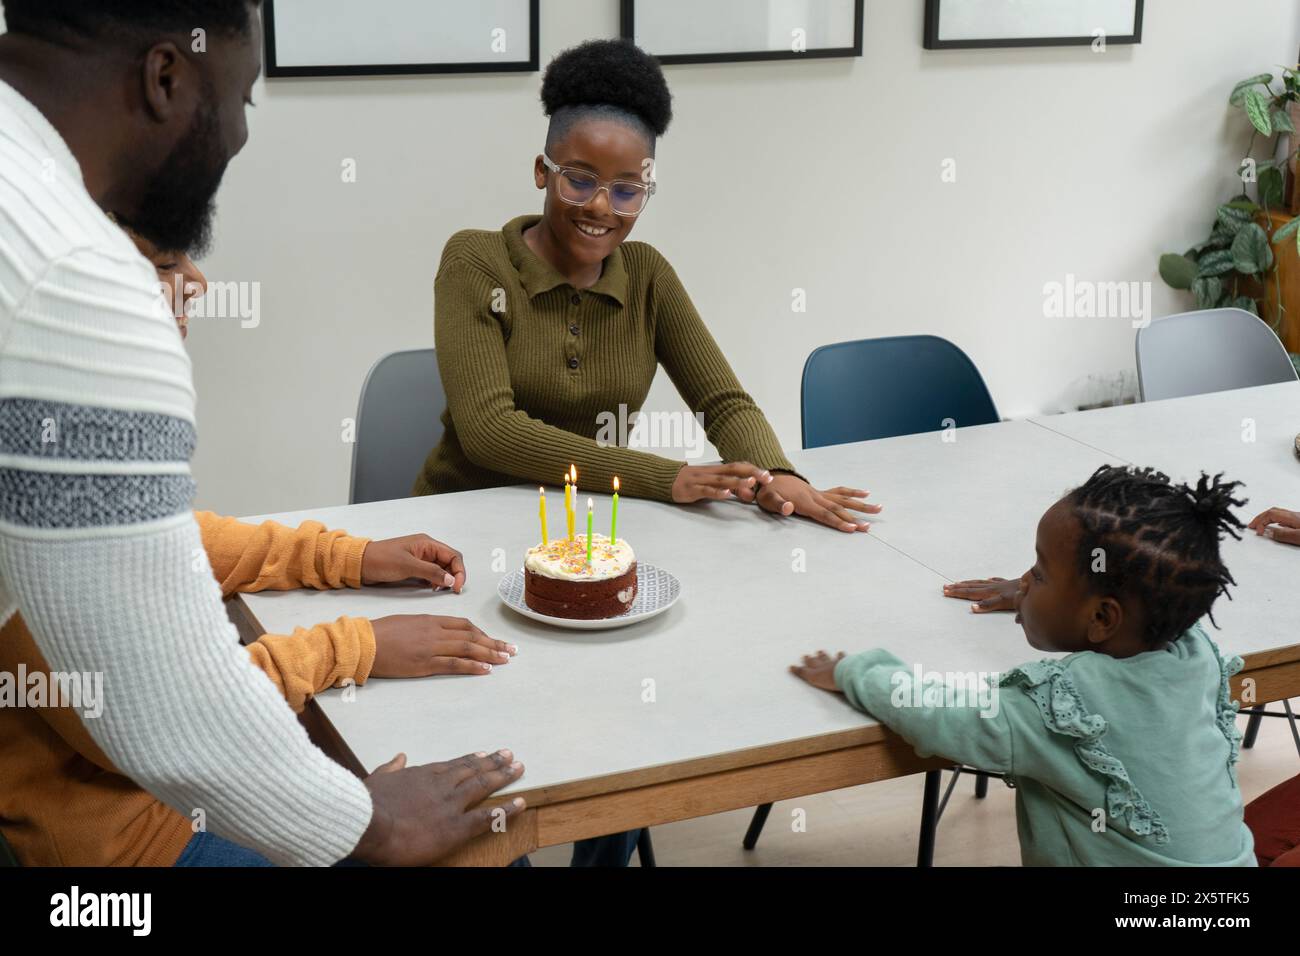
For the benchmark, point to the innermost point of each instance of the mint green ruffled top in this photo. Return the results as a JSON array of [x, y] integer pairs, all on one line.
[[1115, 762]]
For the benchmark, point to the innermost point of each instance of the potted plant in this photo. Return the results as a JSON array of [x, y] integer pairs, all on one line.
[[1232, 267]]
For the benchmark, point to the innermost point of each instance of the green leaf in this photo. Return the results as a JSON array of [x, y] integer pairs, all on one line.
[[1215, 264], [1272, 188], [1239, 91], [1291, 228], [1282, 122], [1232, 218], [1251, 252], [1208, 291], [1177, 271], [1257, 109], [1247, 303]]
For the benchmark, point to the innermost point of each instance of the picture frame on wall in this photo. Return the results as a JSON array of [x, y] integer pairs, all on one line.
[[734, 31], [399, 37], [974, 24]]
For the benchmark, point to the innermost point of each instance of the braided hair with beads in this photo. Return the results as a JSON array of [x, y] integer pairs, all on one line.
[[1159, 542]]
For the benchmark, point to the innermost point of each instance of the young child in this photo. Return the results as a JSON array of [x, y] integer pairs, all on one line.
[[1123, 752]]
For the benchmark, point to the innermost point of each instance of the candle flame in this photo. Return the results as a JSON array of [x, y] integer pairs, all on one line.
[[541, 490], [616, 484], [590, 504], [573, 474]]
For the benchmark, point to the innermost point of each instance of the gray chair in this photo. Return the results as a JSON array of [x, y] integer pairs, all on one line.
[[1212, 351], [1209, 351], [399, 421]]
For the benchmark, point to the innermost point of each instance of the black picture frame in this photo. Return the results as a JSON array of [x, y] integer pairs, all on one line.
[[627, 29], [275, 71], [932, 41]]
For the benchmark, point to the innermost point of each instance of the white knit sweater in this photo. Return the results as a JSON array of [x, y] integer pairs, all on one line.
[[99, 551]]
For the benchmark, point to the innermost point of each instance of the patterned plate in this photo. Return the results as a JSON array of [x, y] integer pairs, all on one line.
[[656, 592]]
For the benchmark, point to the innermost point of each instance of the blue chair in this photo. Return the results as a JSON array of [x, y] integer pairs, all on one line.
[[886, 388], [399, 421]]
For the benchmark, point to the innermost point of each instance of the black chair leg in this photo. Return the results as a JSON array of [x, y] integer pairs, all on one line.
[[929, 818], [756, 826], [981, 786], [644, 848], [1252, 727]]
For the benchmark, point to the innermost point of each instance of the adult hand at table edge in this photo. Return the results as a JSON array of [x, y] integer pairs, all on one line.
[[986, 594], [734, 480], [422, 814], [1279, 524], [819, 670], [413, 557], [788, 495]]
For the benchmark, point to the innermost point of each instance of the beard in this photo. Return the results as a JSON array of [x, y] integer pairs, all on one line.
[[179, 204]]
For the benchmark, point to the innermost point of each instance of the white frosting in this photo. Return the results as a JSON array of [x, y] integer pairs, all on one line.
[[566, 560]]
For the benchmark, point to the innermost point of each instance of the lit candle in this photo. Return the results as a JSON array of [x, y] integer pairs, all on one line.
[[541, 510], [568, 505], [590, 504], [613, 521], [573, 509]]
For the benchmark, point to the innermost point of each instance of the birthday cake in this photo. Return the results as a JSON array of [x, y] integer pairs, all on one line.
[[560, 582]]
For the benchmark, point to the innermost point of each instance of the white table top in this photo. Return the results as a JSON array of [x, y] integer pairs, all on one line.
[[571, 704]]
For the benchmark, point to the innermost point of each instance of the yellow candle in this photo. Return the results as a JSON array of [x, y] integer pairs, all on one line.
[[573, 507], [613, 520], [590, 505], [541, 510], [568, 506]]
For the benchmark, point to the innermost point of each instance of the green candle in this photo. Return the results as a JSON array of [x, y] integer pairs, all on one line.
[[613, 521], [590, 504]]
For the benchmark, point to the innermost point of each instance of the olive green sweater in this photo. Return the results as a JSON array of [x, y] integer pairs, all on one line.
[[533, 368]]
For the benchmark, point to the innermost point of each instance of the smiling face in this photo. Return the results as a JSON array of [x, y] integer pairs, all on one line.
[[179, 279], [584, 236]]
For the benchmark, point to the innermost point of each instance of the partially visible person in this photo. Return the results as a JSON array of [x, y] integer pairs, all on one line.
[[1274, 819], [109, 107], [1278, 524], [1123, 753], [64, 803]]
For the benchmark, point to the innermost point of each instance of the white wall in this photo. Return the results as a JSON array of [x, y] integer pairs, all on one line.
[[1068, 162]]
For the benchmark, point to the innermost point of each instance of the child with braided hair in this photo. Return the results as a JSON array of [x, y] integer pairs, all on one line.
[[1122, 753]]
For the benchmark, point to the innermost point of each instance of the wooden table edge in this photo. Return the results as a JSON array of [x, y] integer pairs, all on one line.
[[706, 785]]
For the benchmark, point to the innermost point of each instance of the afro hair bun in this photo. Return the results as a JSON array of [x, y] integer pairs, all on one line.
[[613, 73]]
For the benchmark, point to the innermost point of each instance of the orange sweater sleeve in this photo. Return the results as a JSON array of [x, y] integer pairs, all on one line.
[[311, 660], [271, 556]]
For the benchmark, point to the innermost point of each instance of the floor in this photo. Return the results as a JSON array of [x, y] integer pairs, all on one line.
[[876, 824]]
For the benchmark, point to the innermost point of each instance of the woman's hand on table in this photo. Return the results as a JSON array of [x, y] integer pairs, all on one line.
[[413, 557], [986, 595], [787, 495], [737, 480], [1278, 524], [422, 645], [819, 670], [421, 814]]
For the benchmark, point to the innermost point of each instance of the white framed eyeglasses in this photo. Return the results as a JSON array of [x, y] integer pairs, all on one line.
[[578, 187]]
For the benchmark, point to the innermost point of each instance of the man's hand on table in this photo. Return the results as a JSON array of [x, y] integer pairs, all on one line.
[[819, 670], [421, 814], [986, 595], [421, 645], [413, 557], [1278, 524]]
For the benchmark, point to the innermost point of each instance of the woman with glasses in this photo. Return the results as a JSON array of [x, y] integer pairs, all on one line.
[[550, 327]]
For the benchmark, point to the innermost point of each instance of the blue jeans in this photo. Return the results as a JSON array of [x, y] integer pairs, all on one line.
[[208, 849]]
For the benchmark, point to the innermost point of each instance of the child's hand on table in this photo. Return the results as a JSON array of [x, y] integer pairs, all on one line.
[[421, 645], [1278, 524], [819, 670], [413, 557], [986, 595]]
